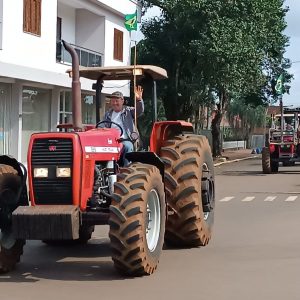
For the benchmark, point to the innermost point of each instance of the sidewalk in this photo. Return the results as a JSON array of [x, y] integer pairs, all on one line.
[[234, 155]]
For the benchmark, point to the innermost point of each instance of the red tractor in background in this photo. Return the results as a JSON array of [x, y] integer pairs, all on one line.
[[76, 181], [283, 142]]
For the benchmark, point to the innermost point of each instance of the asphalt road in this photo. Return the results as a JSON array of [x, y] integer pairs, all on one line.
[[254, 253]]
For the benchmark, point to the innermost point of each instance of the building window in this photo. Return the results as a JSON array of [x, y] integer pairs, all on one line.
[[118, 45], [88, 108], [36, 107], [5, 118], [1, 22], [58, 39], [32, 16], [65, 108]]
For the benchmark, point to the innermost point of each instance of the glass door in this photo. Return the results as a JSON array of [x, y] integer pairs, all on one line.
[[36, 107], [5, 112]]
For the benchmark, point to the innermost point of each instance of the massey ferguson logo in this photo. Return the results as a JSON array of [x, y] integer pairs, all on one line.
[[52, 148]]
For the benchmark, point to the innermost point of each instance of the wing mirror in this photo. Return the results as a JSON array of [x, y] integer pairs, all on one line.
[[134, 136]]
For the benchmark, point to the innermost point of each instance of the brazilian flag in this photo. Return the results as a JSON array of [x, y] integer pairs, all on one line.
[[279, 85], [131, 21]]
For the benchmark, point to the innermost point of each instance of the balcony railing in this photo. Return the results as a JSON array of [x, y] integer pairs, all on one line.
[[87, 57]]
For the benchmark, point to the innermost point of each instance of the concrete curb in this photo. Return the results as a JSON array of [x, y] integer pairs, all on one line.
[[234, 160]]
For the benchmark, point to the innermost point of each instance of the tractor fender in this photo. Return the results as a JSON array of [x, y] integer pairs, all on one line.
[[147, 157], [165, 130], [22, 172]]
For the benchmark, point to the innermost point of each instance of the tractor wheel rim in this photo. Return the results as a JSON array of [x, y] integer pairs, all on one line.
[[209, 190], [153, 220], [211, 199]]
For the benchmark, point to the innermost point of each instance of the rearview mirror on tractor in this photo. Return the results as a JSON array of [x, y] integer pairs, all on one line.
[[134, 136]]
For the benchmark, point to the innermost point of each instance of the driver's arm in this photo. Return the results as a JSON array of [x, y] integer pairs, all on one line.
[[139, 108]]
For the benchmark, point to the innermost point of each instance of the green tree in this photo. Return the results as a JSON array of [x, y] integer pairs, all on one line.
[[249, 116], [168, 44], [224, 47]]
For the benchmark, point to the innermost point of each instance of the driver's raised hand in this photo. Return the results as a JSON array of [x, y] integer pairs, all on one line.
[[138, 93]]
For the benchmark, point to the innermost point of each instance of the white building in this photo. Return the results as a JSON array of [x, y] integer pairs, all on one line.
[[35, 92]]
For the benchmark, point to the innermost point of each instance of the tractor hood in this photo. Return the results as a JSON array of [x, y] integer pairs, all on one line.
[[100, 140]]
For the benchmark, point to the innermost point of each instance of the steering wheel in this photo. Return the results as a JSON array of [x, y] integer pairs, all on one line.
[[110, 122]]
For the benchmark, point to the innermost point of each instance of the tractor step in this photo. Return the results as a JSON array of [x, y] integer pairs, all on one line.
[[47, 222]]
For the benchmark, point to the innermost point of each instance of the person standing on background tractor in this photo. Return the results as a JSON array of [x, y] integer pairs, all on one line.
[[124, 116]]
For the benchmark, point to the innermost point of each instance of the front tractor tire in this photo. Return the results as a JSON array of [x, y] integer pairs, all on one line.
[[137, 220], [268, 164], [10, 249], [266, 161], [190, 191]]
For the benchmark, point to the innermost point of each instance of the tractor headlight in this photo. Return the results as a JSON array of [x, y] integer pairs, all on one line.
[[40, 172], [63, 172]]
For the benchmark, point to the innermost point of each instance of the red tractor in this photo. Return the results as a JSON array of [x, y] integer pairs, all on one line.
[[283, 142], [76, 181]]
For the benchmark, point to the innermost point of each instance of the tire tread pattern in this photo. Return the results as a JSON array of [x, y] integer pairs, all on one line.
[[127, 221], [186, 226], [266, 161], [9, 257]]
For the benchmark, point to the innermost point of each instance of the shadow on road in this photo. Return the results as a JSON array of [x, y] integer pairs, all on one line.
[[91, 262], [243, 173], [258, 173], [288, 172]]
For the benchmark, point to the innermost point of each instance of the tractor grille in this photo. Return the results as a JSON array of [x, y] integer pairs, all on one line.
[[52, 153]]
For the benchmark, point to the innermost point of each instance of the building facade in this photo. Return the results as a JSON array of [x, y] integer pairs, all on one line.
[[35, 92]]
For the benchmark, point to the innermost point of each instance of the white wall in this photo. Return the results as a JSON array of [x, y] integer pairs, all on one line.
[[110, 24], [27, 49], [68, 15], [90, 31], [122, 6]]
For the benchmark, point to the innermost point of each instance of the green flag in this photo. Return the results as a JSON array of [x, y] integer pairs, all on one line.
[[131, 21], [279, 85]]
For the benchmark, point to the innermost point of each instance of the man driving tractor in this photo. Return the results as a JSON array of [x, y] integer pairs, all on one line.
[[124, 116]]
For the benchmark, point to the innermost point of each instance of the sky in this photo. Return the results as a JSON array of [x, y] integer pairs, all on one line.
[[293, 50]]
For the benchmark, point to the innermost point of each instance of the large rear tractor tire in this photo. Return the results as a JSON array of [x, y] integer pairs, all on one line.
[[266, 161], [137, 220], [10, 248], [190, 190]]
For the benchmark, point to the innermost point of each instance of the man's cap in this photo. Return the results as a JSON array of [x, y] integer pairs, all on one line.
[[116, 95]]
